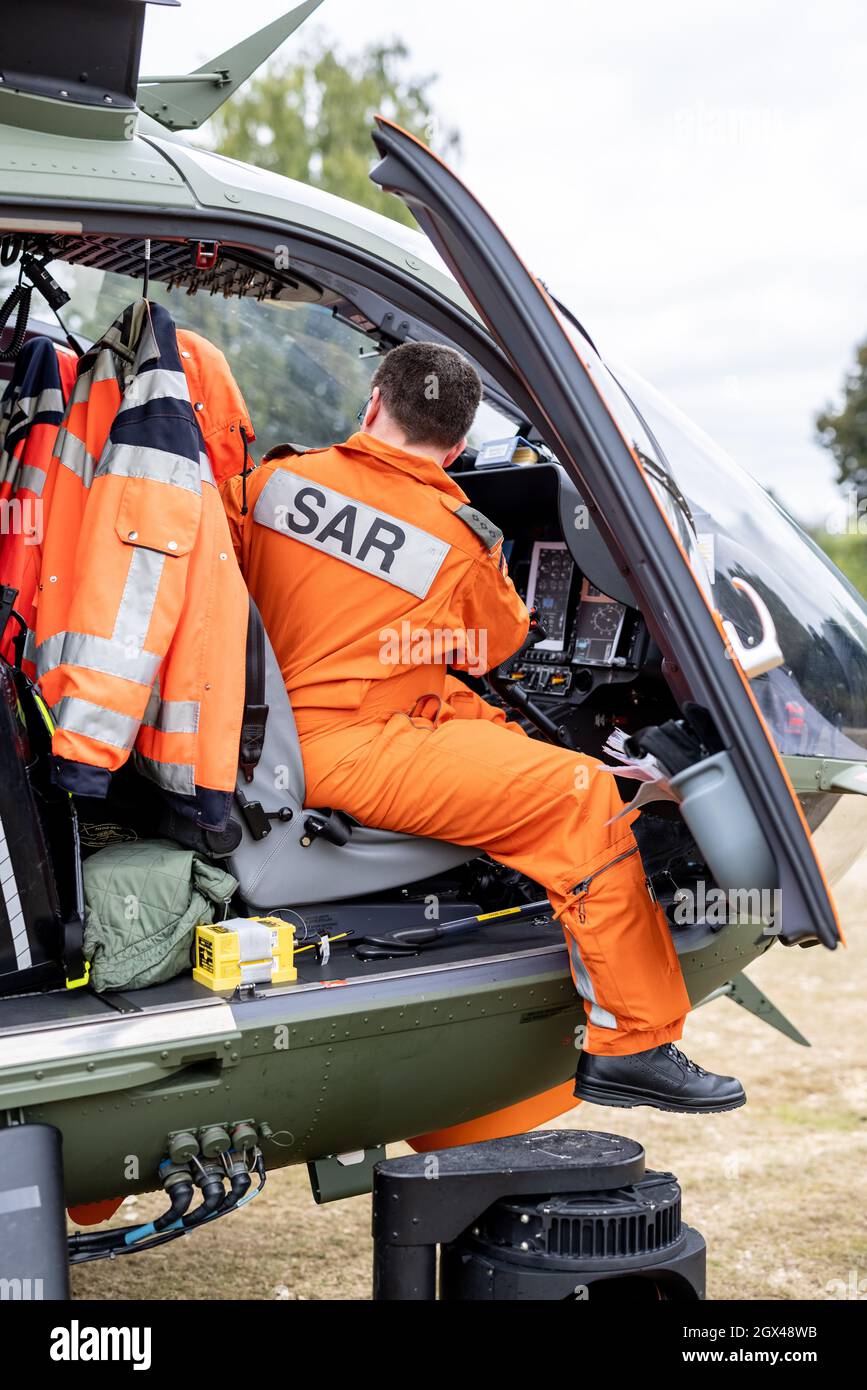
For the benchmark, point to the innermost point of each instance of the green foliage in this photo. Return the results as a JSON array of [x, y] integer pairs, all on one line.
[[311, 120], [844, 431], [849, 554]]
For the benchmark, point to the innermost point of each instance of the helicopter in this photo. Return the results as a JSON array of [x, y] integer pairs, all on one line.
[[669, 584]]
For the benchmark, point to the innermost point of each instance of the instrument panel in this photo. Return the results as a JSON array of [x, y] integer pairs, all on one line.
[[589, 635]]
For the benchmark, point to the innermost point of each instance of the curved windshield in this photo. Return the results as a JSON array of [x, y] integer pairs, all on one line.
[[816, 703], [661, 478]]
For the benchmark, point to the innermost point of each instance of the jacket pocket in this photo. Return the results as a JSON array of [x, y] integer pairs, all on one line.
[[158, 516]]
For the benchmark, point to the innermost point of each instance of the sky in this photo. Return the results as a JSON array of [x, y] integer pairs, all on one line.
[[687, 177]]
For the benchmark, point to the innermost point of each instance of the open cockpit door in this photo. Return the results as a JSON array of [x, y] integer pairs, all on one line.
[[736, 799]]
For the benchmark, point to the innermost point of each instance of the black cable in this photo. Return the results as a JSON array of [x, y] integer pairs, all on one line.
[[244, 471], [10, 249], [166, 1236], [20, 299]]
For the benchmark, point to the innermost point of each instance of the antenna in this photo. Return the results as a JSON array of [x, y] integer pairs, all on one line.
[[184, 102]]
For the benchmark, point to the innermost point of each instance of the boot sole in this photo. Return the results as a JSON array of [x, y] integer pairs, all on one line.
[[631, 1100]]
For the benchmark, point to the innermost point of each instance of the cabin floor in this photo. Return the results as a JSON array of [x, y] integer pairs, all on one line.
[[491, 940]]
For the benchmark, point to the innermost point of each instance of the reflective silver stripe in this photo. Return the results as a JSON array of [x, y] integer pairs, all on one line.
[[14, 911], [77, 716], [30, 477], [154, 385], [72, 454], [29, 653], [584, 985], [601, 1017], [111, 656], [139, 596], [105, 368], [362, 536], [205, 470], [49, 399], [172, 716], [152, 708], [173, 777], [155, 465]]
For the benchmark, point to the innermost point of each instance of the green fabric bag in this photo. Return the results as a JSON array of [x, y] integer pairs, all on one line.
[[144, 901]]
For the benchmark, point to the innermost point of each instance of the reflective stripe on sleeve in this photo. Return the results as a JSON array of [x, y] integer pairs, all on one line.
[[172, 777], [30, 477], [49, 400], [72, 454], [77, 716], [172, 716], [108, 655]]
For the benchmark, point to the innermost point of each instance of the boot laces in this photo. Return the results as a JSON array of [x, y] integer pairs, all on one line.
[[683, 1060]]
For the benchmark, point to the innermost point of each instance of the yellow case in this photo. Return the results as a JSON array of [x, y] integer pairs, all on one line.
[[217, 954]]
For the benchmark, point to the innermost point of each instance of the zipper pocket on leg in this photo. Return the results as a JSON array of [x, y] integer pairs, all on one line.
[[582, 888]]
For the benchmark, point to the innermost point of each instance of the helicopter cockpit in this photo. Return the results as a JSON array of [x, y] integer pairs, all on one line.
[[303, 343]]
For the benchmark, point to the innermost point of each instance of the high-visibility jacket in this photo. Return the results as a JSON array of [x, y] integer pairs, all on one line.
[[142, 611], [221, 411], [30, 414], [372, 573]]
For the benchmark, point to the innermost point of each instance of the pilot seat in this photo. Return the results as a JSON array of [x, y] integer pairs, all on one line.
[[292, 855]]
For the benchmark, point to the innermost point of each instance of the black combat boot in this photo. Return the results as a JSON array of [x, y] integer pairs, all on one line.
[[661, 1076]]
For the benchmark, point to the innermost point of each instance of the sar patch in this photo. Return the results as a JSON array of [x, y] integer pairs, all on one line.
[[489, 534], [360, 535]]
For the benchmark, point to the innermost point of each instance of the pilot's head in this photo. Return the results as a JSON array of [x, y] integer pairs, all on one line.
[[424, 400]]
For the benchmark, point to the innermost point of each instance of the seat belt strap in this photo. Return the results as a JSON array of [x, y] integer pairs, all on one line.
[[255, 709]]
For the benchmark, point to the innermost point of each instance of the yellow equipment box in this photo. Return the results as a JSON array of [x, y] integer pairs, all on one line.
[[244, 951]]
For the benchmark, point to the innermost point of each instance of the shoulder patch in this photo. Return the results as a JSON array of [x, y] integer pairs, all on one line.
[[281, 451], [489, 534]]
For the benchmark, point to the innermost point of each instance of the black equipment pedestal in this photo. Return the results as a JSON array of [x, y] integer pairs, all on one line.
[[33, 1252], [556, 1214]]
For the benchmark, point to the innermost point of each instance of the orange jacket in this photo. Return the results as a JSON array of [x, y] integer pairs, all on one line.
[[372, 572], [142, 611], [30, 415]]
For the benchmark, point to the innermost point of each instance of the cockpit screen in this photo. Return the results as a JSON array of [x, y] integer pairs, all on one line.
[[597, 631], [548, 588]]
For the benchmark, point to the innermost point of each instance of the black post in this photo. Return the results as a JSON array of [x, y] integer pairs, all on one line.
[[404, 1272], [33, 1252]]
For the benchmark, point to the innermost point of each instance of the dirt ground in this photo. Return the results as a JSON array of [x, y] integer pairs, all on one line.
[[776, 1188]]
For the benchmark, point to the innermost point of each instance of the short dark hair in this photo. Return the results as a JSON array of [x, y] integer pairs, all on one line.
[[431, 391]]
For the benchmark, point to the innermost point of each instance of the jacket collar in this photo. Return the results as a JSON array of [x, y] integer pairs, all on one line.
[[425, 470]]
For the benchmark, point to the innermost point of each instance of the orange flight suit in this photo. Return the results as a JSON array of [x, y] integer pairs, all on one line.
[[372, 573]]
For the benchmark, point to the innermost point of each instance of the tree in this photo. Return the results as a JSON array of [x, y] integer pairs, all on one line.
[[844, 431], [311, 120]]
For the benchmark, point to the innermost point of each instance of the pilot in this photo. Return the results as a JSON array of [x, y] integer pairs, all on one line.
[[373, 574]]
